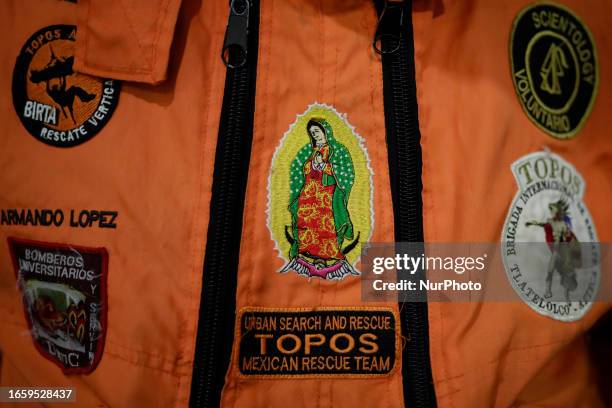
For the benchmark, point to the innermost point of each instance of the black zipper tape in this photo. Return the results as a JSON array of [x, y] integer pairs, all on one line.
[[215, 332], [394, 40]]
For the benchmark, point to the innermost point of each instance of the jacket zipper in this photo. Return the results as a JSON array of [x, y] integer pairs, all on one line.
[[394, 40], [215, 332]]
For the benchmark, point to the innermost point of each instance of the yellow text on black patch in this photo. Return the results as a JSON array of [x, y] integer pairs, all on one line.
[[325, 342], [554, 68]]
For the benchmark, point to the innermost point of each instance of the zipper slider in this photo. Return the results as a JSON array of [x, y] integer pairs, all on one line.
[[390, 27], [234, 53]]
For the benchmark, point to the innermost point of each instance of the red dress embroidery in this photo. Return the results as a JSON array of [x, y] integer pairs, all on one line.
[[316, 226]]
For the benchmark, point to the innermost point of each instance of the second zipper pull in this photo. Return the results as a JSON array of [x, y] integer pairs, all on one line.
[[389, 28], [235, 44]]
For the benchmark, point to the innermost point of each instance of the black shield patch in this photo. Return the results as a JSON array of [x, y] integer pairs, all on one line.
[[65, 300]]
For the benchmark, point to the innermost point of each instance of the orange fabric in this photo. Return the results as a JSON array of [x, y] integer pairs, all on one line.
[[153, 163], [332, 49], [473, 128], [128, 40]]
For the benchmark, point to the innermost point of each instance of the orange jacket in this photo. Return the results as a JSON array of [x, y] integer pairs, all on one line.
[[176, 231]]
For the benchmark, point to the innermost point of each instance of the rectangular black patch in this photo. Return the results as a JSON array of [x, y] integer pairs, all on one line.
[[323, 342]]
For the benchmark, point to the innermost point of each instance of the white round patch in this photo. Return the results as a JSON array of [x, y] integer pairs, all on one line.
[[549, 243]]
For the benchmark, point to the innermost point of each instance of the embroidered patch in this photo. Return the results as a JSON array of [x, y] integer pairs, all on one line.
[[554, 68], [550, 248], [320, 195], [64, 296], [56, 105], [324, 342]]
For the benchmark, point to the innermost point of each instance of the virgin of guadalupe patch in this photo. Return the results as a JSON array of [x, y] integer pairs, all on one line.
[[550, 249], [320, 196], [554, 68], [56, 105], [64, 296]]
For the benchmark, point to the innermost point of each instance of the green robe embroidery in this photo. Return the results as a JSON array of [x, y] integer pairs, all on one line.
[[343, 175]]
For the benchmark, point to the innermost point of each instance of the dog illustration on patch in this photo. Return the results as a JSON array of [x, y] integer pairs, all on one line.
[[565, 250]]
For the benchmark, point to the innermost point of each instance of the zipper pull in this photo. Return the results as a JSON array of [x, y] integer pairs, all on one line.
[[389, 28], [234, 53]]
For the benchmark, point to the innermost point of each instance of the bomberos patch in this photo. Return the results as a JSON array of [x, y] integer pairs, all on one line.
[[64, 292], [55, 104]]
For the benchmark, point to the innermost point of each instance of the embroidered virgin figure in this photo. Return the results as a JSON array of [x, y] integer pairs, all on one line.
[[321, 231]]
